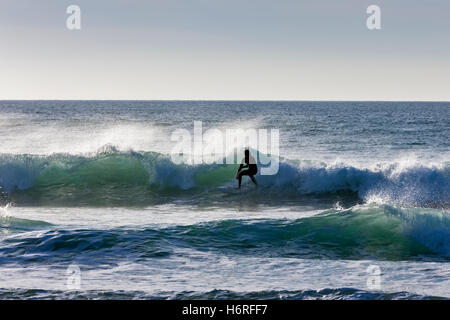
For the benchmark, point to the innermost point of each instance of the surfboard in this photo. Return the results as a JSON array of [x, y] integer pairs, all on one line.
[[233, 189]]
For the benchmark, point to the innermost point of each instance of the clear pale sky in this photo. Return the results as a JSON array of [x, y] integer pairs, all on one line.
[[225, 49]]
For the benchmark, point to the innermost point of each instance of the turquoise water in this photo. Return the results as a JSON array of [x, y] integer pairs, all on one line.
[[91, 184]]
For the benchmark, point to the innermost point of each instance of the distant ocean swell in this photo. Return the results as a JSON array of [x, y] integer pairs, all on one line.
[[129, 177]]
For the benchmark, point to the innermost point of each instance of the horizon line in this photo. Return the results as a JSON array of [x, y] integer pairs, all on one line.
[[225, 100]]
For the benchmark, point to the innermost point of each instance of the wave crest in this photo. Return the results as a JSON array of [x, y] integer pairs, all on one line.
[[148, 173]]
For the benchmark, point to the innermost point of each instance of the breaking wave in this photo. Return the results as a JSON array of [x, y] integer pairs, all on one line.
[[130, 176]]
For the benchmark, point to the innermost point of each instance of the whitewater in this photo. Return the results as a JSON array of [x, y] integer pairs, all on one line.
[[90, 186]]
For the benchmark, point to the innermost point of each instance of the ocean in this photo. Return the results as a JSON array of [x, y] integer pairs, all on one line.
[[92, 205]]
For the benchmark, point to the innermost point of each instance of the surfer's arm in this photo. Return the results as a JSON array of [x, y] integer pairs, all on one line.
[[242, 165]]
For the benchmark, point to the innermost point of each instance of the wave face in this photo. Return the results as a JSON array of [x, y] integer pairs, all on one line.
[[132, 178], [368, 232]]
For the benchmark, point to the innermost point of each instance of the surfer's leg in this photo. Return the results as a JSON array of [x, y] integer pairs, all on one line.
[[240, 174], [254, 180]]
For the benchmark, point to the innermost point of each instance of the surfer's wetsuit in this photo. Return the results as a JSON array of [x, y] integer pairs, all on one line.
[[247, 167]]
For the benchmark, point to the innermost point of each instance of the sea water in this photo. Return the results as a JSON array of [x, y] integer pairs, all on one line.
[[92, 206]]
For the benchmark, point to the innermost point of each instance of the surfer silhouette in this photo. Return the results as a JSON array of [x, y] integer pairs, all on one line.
[[247, 167]]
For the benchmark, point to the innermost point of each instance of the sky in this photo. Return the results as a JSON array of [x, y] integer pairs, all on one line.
[[225, 50]]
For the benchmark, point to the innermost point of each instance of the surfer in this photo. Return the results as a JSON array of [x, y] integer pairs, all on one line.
[[247, 167]]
